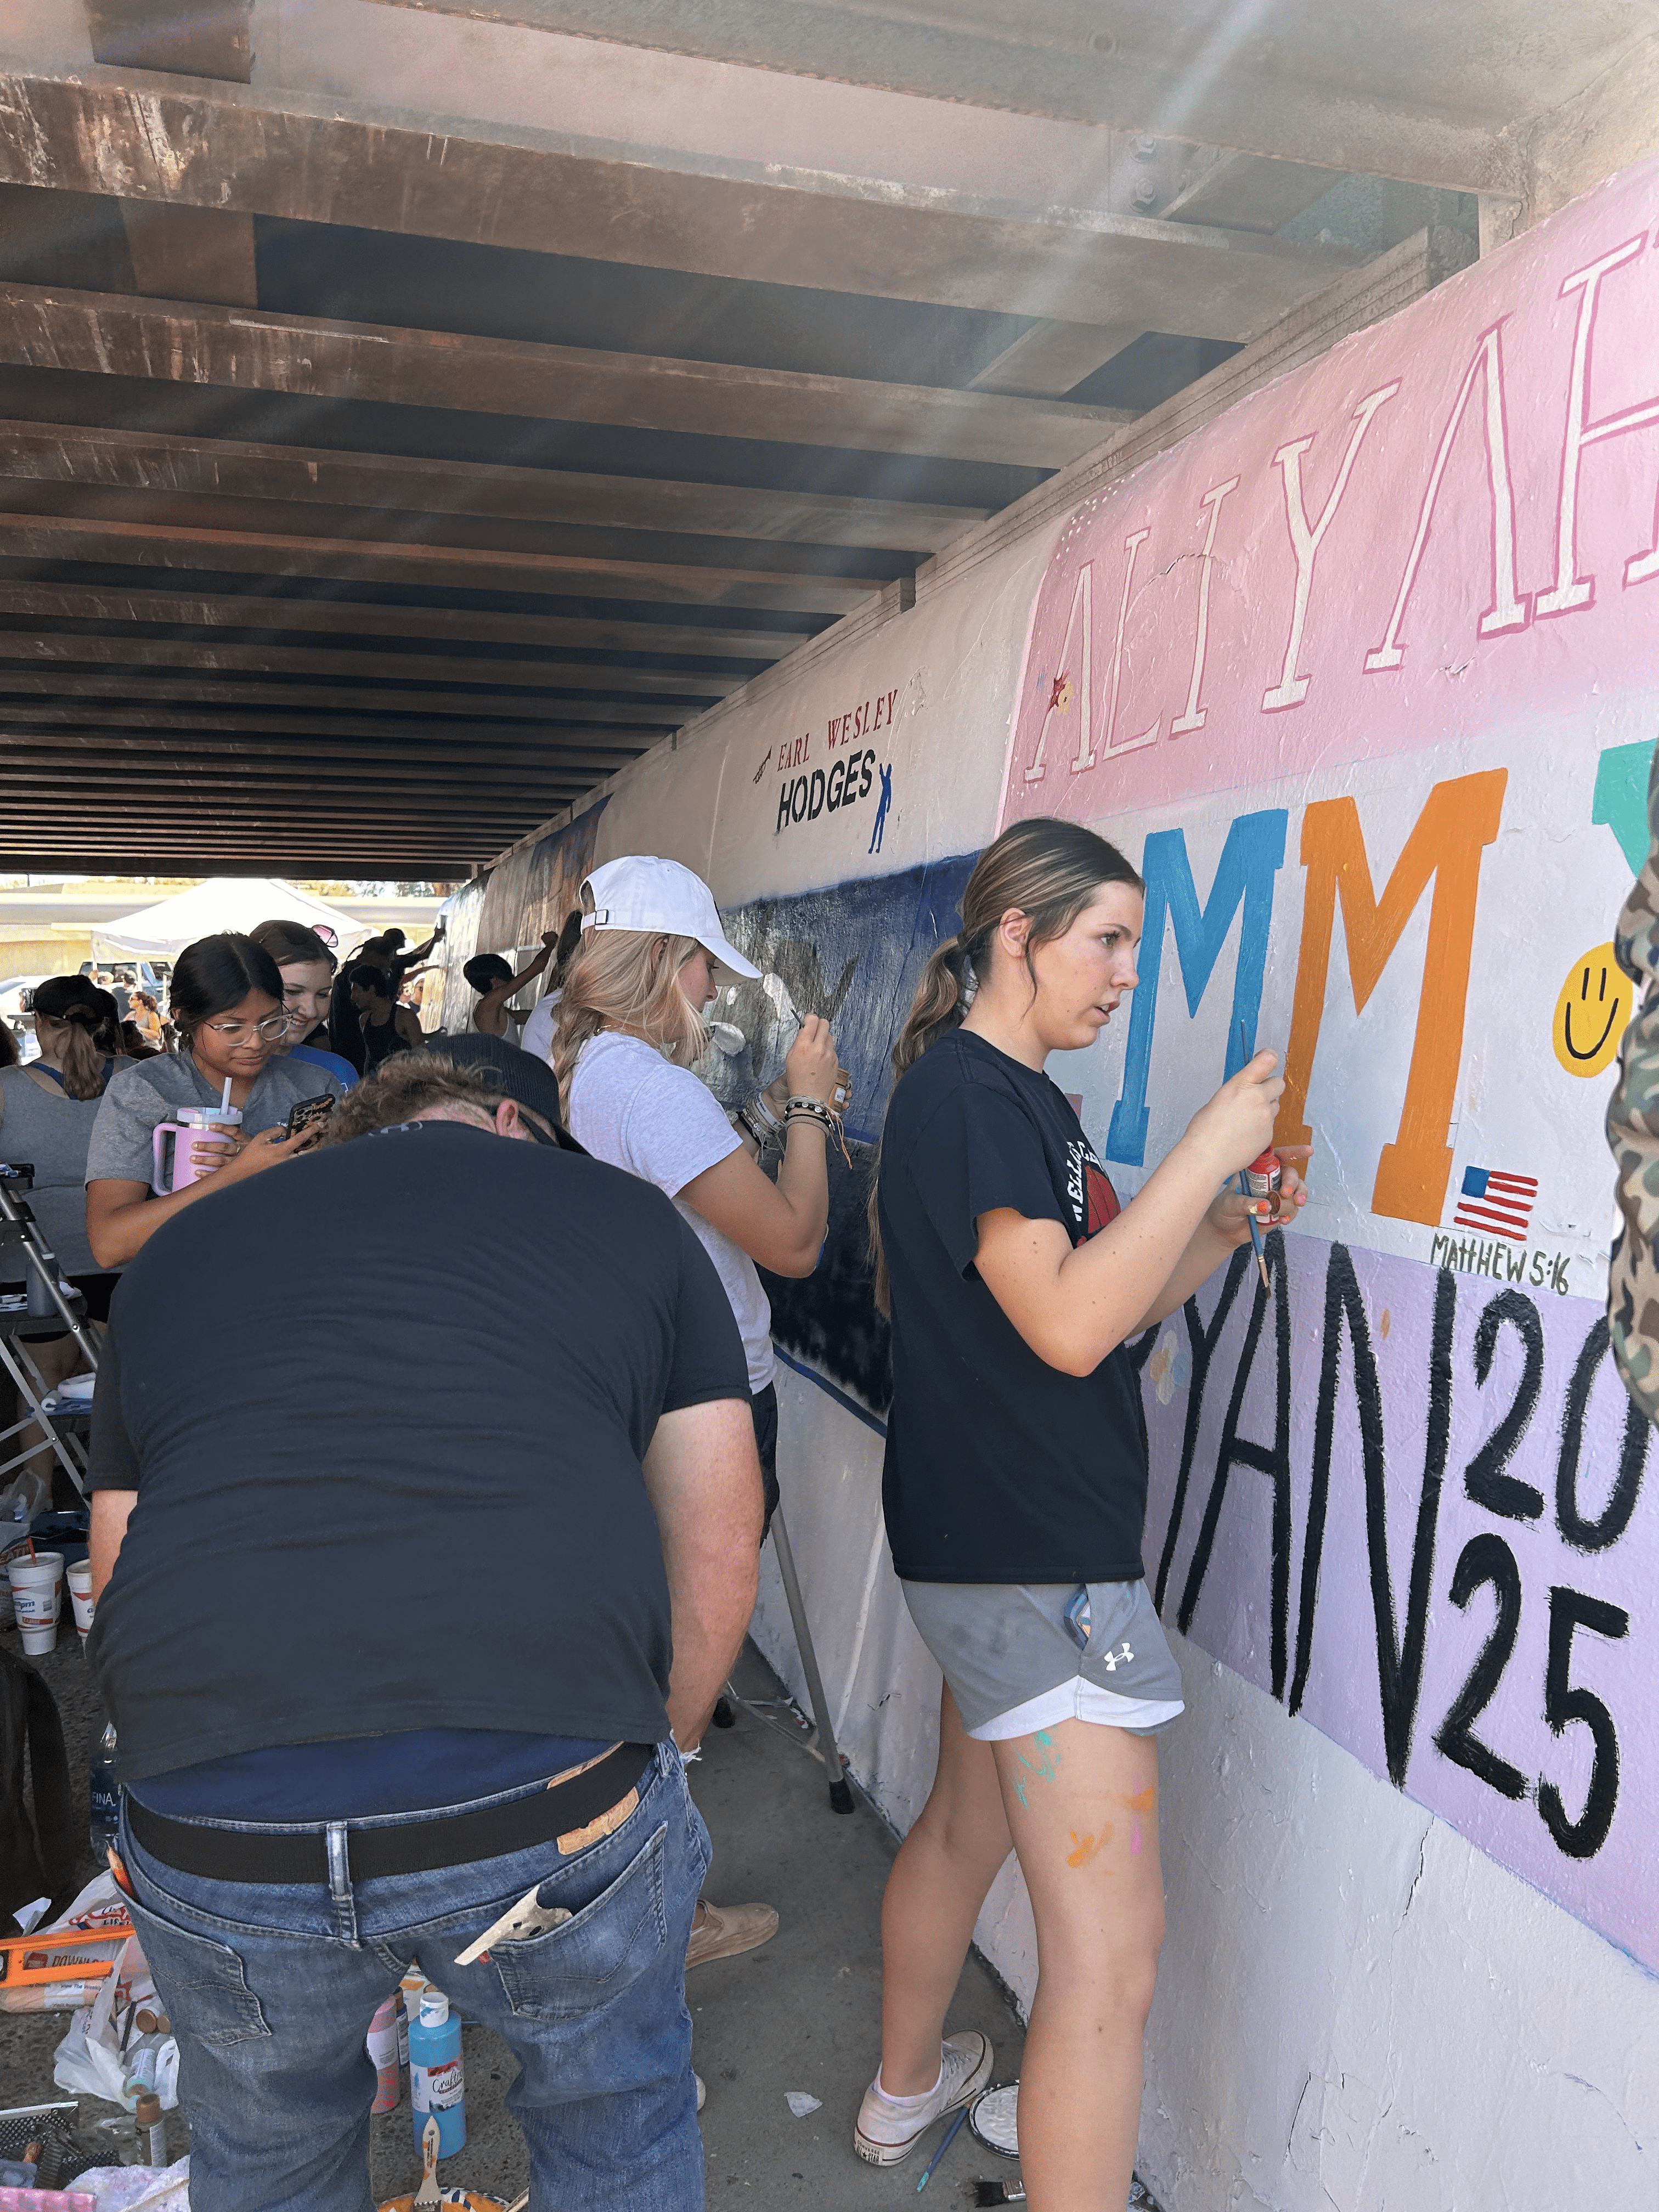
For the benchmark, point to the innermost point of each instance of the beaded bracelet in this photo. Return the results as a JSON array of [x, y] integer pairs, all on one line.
[[814, 1110]]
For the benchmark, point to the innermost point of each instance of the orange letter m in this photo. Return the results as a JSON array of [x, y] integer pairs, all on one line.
[[1459, 819]]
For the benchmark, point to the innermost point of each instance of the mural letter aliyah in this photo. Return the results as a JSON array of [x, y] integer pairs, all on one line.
[[1365, 676]]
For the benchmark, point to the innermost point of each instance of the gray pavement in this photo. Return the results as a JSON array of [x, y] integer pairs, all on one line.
[[803, 2012]]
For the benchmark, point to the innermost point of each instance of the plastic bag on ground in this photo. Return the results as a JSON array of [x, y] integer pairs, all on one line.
[[138, 2187], [88, 2061]]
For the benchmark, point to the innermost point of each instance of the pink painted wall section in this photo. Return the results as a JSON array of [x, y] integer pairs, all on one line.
[[1364, 679], [1440, 525]]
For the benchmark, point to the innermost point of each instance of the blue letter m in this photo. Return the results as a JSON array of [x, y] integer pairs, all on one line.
[[1251, 856]]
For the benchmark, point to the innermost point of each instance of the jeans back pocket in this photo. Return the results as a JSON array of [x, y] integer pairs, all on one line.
[[588, 1960], [205, 1982]]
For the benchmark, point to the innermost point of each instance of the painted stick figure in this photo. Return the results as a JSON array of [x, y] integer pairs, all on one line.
[[881, 811]]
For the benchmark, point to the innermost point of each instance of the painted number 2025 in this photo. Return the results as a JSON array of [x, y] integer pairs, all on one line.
[[1487, 1559]]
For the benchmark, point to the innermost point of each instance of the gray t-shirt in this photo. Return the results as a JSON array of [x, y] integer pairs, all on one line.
[[631, 1106], [52, 1131], [141, 1097]]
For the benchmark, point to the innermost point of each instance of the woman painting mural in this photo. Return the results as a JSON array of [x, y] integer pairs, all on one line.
[[1015, 1491]]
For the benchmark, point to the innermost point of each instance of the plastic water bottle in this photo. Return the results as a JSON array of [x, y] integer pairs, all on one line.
[[104, 1795], [436, 2081]]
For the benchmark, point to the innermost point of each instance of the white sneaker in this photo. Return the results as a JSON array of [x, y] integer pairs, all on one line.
[[889, 2129]]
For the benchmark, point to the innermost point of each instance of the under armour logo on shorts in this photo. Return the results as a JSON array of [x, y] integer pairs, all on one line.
[[1113, 1657]]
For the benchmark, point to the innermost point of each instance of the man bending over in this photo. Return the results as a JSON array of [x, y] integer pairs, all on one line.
[[384, 1664]]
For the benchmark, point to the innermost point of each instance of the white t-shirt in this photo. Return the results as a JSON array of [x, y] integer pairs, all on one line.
[[538, 1027], [631, 1107]]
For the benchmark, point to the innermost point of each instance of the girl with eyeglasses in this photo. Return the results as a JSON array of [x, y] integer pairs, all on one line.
[[226, 1007]]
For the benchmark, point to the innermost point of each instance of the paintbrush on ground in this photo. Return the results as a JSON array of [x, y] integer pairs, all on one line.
[[951, 2134]]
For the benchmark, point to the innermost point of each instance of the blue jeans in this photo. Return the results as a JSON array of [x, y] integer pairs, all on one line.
[[271, 1987]]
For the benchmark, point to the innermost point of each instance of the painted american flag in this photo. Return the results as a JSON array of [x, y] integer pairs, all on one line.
[[1496, 1203]]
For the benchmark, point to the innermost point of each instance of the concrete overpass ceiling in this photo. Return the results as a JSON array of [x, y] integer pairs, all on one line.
[[412, 409]]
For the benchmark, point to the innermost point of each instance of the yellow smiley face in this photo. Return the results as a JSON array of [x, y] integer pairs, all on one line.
[[1591, 1012]]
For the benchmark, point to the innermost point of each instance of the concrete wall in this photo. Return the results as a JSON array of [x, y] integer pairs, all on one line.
[[1365, 676]]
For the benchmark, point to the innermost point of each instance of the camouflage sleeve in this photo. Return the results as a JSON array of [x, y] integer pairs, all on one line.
[[1633, 1134]]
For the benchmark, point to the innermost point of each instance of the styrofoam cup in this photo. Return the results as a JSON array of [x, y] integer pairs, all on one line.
[[79, 1578], [37, 1586]]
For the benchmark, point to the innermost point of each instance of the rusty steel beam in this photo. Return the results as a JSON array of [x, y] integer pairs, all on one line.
[[152, 461], [247, 349], [270, 553], [184, 667], [428, 626], [261, 151], [69, 687]]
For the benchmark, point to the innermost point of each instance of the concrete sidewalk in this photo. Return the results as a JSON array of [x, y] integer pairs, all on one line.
[[802, 2013]]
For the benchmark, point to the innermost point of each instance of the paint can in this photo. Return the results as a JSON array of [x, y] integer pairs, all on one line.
[[993, 2117]]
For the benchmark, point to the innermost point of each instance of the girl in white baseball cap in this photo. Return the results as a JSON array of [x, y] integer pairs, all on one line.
[[653, 956]]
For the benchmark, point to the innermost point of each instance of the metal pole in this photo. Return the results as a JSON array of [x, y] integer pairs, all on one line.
[[41, 1262], [841, 1790]]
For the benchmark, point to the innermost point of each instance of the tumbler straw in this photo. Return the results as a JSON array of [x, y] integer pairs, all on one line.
[[224, 1103]]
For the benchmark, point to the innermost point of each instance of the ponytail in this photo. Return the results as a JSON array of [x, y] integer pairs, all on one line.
[[94, 1034], [1046, 869], [943, 998]]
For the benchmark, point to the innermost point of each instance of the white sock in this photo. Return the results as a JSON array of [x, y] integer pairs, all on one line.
[[909, 2104]]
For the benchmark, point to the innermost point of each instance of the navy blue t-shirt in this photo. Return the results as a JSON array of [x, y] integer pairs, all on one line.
[[384, 1408], [1000, 1469]]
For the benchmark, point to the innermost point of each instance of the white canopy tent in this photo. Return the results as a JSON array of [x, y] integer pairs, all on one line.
[[222, 902]]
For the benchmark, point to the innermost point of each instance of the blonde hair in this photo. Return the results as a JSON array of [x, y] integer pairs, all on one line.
[[629, 980]]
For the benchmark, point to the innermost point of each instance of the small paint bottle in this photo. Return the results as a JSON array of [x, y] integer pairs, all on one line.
[[437, 2080], [1264, 1178], [382, 2044], [152, 2130]]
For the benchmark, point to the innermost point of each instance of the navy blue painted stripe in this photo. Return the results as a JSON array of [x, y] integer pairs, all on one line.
[[849, 1405]]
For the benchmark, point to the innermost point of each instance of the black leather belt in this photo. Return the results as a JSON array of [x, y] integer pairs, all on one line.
[[403, 1847]]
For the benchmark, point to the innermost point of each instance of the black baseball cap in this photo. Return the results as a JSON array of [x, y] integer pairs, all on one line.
[[516, 1074]]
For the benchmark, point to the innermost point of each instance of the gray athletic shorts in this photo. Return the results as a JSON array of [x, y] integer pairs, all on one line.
[[1014, 1667]]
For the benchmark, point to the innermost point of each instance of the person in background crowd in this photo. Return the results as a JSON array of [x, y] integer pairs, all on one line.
[[226, 1008], [387, 1027], [495, 983], [345, 1034], [306, 968], [132, 1042], [146, 1018], [8, 1053], [400, 966], [1015, 1493], [538, 1034], [630, 1025], [292, 1852], [121, 991], [48, 1113]]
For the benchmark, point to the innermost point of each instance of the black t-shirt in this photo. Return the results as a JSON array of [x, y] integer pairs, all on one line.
[[1000, 1469], [385, 1409], [345, 1031]]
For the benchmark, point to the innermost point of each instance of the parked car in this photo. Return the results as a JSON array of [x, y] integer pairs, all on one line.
[[12, 993]]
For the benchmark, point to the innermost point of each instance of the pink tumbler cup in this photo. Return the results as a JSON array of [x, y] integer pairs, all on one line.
[[193, 1121]]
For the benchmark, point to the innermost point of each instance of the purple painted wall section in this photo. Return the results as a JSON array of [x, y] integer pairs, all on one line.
[[1524, 1493]]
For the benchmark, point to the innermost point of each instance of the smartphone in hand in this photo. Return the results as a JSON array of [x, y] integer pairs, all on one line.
[[310, 1113]]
